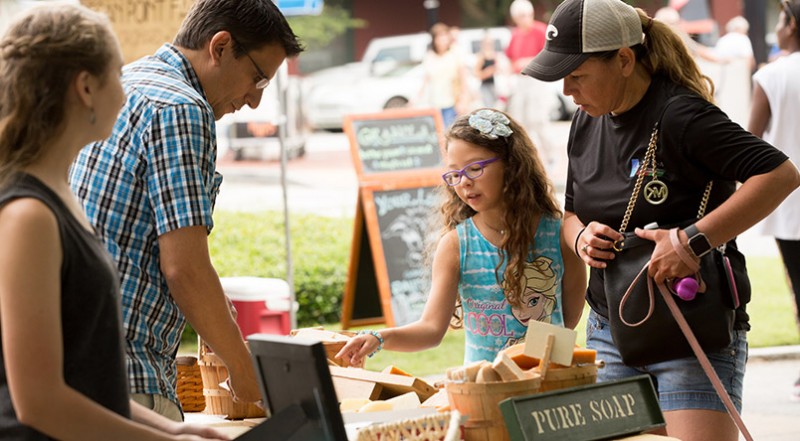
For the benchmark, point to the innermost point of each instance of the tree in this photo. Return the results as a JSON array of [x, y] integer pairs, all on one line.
[[317, 31]]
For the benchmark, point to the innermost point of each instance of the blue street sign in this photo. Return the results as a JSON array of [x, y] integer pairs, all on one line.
[[299, 7]]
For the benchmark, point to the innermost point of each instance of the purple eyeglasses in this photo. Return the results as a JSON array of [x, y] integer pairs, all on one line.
[[473, 170]]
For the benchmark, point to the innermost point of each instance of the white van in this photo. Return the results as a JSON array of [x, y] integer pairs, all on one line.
[[411, 48], [389, 75]]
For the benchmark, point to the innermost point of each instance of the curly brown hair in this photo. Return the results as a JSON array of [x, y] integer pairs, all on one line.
[[528, 194]]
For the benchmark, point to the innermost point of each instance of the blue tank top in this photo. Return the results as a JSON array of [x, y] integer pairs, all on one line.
[[490, 323]]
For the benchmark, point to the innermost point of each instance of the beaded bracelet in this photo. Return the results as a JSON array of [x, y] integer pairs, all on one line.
[[575, 247], [375, 334]]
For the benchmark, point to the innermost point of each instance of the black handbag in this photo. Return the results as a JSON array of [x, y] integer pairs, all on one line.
[[710, 314], [645, 339]]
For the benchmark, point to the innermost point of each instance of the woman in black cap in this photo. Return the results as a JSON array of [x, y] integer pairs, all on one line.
[[622, 70]]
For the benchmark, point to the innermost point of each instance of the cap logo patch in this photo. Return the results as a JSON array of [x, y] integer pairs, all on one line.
[[552, 32]]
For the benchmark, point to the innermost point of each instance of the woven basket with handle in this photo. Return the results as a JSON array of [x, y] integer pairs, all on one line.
[[218, 400], [190, 385]]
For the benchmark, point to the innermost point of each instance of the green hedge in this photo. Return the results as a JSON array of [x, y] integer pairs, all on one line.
[[246, 244]]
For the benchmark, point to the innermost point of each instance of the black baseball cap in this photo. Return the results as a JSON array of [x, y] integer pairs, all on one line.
[[580, 28]]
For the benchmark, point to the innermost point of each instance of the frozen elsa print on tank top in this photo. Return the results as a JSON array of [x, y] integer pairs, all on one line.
[[490, 322]]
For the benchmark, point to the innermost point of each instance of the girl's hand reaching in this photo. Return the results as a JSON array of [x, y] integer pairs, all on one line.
[[358, 348]]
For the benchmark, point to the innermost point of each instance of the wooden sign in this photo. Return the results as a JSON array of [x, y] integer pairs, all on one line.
[[142, 26], [398, 162], [395, 144], [585, 413]]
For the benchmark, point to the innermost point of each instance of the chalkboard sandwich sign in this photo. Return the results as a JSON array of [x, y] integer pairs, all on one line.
[[609, 410], [395, 144], [398, 160]]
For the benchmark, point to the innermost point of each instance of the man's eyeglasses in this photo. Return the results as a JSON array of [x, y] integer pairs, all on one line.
[[264, 80], [473, 170]]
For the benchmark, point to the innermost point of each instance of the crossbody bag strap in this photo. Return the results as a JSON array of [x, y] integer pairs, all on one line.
[[649, 163], [703, 359]]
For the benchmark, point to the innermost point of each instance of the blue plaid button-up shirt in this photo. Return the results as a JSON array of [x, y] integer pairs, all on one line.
[[156, 173]]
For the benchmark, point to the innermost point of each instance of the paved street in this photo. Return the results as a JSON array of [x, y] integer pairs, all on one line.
[[768, 412], [324, 182]]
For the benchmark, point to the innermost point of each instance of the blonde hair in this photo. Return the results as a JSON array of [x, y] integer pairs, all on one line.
[[527, 191], [40, 55], [666, 53]]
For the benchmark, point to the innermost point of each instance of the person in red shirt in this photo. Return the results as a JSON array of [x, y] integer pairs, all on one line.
[[530, 100], [527, 38]]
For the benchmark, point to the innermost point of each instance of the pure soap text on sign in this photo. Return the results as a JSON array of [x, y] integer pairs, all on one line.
[[586, 413], [568, 416]]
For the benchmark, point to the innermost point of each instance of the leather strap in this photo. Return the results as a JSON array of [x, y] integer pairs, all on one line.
[[689, 334], [703, 359], [691, 261]]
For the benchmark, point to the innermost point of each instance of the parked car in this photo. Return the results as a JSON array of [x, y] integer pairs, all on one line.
[[253, 133], [390, 75], [329, 99]]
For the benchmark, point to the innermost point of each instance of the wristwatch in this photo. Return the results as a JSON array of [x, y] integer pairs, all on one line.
[[698, 242]]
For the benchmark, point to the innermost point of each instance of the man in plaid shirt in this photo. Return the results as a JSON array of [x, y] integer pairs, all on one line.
[[150, 188]]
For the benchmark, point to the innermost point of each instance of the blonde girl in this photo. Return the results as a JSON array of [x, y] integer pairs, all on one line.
[[62, 366]]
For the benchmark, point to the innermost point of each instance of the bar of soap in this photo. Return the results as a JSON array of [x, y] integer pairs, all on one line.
[[468, 373], [408, 400], [352, 404], [376, 406], [487, 374], [394, 370], [507, 368]]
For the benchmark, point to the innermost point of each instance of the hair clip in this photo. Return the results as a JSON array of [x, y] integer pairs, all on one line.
[[490, 123]]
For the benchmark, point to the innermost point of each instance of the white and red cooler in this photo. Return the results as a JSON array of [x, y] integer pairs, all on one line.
[[262, 304]]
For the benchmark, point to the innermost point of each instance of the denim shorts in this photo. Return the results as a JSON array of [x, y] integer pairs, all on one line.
[[681, 384]]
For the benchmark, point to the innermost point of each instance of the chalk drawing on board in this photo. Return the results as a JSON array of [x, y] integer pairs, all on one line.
[[407, 223]]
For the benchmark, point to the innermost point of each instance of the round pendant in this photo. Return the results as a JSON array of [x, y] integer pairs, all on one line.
[[656, 192]]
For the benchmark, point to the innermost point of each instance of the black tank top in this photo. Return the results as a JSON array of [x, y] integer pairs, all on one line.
[[94, 362]]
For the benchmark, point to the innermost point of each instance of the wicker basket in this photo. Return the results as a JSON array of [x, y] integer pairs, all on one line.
[[218, 400], [479, 402], [436, 427], [562, 378], [190, 385]]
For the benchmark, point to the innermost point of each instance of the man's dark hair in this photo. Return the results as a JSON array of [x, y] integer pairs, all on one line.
[[252, 23]]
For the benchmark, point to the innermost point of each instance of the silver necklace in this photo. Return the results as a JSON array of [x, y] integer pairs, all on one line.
[[501, 231]]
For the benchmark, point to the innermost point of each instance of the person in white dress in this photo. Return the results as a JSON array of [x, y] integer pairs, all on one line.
[[776, 105]]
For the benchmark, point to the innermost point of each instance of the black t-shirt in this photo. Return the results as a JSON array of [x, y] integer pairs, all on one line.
[[697, 143], [94, 362]]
